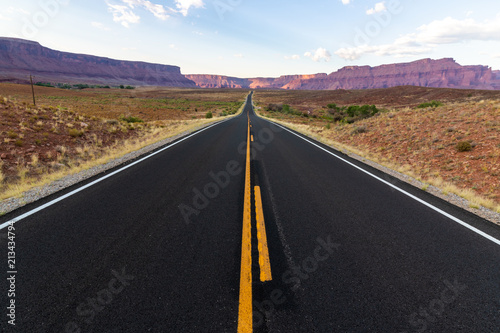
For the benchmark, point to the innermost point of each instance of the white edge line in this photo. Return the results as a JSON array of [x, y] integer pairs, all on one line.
[[50, 203], [453, 218]]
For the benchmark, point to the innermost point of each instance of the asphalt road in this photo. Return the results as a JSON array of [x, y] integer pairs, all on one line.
[[157, 247]]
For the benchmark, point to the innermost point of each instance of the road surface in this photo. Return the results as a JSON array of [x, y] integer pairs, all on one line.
[[172, 244]]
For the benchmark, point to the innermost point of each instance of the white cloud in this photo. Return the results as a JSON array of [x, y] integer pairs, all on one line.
[[123, 15], [173, 47], [451, 30], [292, 57], [184, 5], [439, 32], [239, 56], [346, 2], [319, 54], [379, 7], [157, 10], [99, 25]]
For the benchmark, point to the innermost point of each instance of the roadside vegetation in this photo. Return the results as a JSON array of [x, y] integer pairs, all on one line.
[[454, 146], [74, 130], [80, 86]]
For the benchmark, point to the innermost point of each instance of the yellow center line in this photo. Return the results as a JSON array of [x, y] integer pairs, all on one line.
[[245, 313], [252, 138], [264, 262]]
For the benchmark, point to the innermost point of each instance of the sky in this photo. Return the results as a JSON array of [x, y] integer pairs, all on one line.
[[254, 38]]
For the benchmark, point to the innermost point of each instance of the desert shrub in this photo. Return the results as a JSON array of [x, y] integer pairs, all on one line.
[[360, 129], [275, 107], [11, 135], [73, 132], [209, 115], [129, 87], [19, 143], [464, 146], [81, 86], [132, 119], [431, 104]]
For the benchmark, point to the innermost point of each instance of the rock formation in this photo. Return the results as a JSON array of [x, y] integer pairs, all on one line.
[[20, 58], [443, 73]]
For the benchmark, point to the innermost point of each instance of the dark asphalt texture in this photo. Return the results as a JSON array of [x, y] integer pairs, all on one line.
[[348, 253]]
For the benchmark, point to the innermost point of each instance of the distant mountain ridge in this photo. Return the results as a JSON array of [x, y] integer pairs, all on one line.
[[19, 58], [219, 81], [442, 73]]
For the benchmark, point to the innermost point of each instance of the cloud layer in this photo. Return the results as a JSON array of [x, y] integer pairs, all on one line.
[[428, 36]]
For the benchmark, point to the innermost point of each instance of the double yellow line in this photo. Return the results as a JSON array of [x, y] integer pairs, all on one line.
[[245, 313]]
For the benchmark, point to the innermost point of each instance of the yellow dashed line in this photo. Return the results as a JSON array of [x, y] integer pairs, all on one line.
[[264, 262]]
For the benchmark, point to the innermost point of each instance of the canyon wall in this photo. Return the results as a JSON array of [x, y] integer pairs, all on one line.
[[20, 58]]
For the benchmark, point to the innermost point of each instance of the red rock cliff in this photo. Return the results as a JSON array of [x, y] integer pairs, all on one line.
[[19, 58], [443, 73]]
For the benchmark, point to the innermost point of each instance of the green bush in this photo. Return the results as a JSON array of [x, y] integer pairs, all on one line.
[[464, 146], [209, 115], [132, 119], [432, 104], [350, 114], [44, 84]]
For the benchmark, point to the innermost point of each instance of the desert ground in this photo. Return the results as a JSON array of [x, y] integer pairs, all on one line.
[[71, 130]]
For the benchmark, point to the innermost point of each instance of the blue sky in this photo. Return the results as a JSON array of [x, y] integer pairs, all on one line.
[[250, 38]]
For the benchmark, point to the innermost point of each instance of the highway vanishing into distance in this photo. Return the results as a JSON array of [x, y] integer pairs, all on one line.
[[248, 227]]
